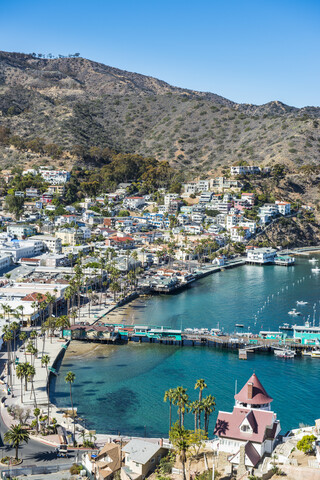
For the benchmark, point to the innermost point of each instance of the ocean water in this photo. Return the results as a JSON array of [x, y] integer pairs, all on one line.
[[122, 390]]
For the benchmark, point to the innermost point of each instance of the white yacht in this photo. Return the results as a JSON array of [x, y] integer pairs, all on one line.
[[313, 260], [301, 302], [315, 270], [294, 312]]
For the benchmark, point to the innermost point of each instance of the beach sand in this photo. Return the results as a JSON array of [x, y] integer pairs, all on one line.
[[127, 314], [88, 350]]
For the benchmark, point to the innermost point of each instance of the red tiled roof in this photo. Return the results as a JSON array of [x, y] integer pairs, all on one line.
[[33, 297], [228, 424], [121, 239], [259, 395]]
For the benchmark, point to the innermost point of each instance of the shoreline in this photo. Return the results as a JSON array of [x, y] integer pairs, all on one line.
[[117, 314]]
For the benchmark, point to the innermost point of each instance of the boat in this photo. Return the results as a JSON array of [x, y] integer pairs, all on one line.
[[306, 353], [313, 260], [286, 326], [294, 312], [315, 354], [315, 270], [301, 302], [284, 353], [239, 325]]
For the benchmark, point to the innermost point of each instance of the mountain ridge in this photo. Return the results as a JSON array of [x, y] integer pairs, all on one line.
[[76, 101]]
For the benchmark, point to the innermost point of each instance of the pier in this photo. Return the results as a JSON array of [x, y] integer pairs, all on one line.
[[120, 334]]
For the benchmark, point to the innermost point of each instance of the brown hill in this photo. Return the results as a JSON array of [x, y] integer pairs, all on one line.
[[75, 101]]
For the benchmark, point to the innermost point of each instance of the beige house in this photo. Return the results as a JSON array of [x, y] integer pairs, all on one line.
[[141, 458], [105, 464], [70, 236]]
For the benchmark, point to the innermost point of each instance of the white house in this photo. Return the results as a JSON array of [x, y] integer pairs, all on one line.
[[284, 208], [250, 431], [239, 234], [134, 202]]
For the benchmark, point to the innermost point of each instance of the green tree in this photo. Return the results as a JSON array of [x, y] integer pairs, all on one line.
[[169, 395], [70, 378], [21, 374], [36, 413], [15, 436], [180, 438], [306, 444], [14, 205], [209, 404]]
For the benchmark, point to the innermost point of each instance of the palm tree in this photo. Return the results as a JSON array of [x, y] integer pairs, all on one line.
[[31, 371], [8, 337], [209, 404], [33, 336], [21, 374], [201, 384], [36, 413], [15, 436], [62, 322], [14, 327], [115, 288], [45, 360], [180, 398], [195, 408], [169, 395], [181, 441], [23, 337], [70, 378]]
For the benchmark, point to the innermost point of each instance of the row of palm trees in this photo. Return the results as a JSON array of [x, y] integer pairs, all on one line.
[[178, 397]]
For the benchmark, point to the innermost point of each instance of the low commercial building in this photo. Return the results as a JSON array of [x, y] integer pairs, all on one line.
[[261, 256], [306, 334]]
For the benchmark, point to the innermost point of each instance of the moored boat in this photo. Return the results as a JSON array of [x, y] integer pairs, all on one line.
[[294, 312], [284, 353], [286, 326]]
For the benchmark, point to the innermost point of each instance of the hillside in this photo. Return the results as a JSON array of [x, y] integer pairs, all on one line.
[[77, 102]]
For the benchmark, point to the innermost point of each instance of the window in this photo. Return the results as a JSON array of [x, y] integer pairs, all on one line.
[[245, 428]]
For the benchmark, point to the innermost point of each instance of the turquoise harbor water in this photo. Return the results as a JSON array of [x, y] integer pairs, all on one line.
[[122, 389]]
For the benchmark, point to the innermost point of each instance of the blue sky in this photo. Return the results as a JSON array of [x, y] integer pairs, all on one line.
[[248, 51]]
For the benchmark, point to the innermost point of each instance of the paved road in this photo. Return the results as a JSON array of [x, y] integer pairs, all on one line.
[[34, 452]]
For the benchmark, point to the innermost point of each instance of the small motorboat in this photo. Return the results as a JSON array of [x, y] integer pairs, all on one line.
[[239, 325], [313, 260], [286, 326], [315, 270], [301, 302], [294, 312], [284, 353]]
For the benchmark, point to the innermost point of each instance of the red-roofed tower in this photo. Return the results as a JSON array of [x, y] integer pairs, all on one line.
[[253, 395]]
